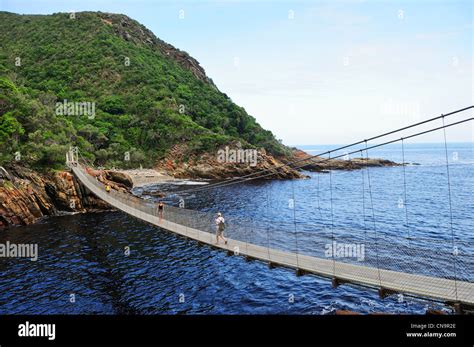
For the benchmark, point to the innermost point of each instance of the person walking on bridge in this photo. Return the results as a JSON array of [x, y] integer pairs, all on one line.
[[161, 207], [220, 226]]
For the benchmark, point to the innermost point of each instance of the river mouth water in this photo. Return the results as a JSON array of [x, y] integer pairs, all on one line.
[[86, 257]]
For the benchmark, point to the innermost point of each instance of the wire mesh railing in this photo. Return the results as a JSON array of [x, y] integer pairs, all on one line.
[[364, 251]]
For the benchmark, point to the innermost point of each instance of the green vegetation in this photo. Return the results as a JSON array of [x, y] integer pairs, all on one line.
[[143, 108]]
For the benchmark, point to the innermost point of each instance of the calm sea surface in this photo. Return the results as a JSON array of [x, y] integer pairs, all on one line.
[[412, 230]]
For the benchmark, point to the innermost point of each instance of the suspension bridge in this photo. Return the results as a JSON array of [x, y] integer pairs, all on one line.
[[385, 275]]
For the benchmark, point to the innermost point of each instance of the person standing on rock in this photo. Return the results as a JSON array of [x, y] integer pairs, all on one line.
[[220, 227]]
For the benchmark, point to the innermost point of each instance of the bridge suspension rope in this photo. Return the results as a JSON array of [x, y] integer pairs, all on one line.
[[303, 162], [363, 197], [333, 245], [405, 191], [274, 170], [267, 224], [373, 216], [318, 199], [450, 210], [294, 220]]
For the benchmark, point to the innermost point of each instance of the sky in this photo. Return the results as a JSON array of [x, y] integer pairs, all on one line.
[[318, 72]]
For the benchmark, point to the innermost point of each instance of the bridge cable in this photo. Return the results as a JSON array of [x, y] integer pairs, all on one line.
[[294, 221], [320, 160], [333, 245], [363, 197], [246, 231], [214, 216], [267, 224], [310, 158], [373, 216], [450, 211], [405, 190], [245, 228], [222, 184], [319, 204]]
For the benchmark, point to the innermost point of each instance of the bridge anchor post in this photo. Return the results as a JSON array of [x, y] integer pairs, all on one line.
[[299, 272], [336, 282], [384, 292], [458, 308]]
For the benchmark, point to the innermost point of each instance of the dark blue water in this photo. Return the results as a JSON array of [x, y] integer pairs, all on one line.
[[85, 255]]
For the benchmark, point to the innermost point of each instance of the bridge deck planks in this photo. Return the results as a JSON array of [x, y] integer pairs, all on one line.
[[417, 285]]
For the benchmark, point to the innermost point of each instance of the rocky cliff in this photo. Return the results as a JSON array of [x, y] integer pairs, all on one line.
[[181, 163], [26, 195]]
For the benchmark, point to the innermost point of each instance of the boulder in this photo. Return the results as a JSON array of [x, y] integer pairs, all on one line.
[[119, 177]]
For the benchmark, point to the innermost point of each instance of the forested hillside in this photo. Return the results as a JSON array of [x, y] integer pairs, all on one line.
[[147, 96]]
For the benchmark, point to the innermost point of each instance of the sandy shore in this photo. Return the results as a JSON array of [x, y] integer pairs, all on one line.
[[147, 176]]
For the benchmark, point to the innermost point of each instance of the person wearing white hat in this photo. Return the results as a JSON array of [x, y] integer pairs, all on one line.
[[220, 227]]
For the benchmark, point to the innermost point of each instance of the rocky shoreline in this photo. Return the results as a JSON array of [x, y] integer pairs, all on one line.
[[27, 195], [180, 164], [320, 164], [208, 167]]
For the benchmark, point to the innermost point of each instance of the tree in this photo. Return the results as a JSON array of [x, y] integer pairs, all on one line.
[[10, 129]]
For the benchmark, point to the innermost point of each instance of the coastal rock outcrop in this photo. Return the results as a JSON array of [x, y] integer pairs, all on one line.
[[179, 163], [119, 177], [320, 164], [27, 195]]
